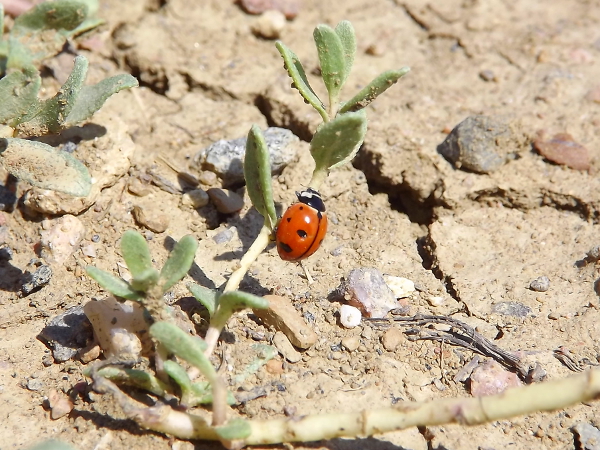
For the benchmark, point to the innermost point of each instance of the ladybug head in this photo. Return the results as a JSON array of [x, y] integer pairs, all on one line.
[[312, 198]]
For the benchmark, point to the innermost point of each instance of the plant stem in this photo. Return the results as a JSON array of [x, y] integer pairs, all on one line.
[[318, 178], [260, 243], [546, 396]]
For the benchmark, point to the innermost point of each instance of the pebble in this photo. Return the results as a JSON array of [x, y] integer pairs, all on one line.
[[365, 289], [289, 8], [401, 287], [158, 223], [515, 309], [274, 367], [391, 339], [33, 384], [208, 178], [60, 238], [350, 343], [282, 316], [269, 25], [226, 201], [562, 149], [588, 436], [286, 348], [224, 236], [138, 187], [479, 144], [109, 314], [487, 75], [60, 404], [225, 158], [435, 300], [89, 250], [66, 333], [491, 378], [540, 284], [36, 280], [7, 199], [196, 198], [350, 316]]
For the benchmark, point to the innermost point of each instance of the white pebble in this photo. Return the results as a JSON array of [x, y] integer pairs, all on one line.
[[401, 287], [435, 300], [350, 316]]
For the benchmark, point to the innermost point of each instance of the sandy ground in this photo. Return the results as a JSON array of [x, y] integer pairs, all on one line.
[[476, 241]]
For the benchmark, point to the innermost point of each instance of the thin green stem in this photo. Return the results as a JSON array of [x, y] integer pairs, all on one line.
[[260, 243], [318, 178]]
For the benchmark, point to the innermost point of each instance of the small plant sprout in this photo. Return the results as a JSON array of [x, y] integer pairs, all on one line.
[[35, 36], [336, 140], [148, 286]]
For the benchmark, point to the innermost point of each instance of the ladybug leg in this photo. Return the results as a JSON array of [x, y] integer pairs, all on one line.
[[306, 272]]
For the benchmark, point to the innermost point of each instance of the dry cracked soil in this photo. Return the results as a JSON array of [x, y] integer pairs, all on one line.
[[471, 242]]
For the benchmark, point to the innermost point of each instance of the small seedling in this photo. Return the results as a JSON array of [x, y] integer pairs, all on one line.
[[37, 35], [148, 286]]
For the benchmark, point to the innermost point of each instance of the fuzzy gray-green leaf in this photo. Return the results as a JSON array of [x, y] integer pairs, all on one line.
[[332, 60], [208, 297], [298, 75], [91, 98], [50, 116], [114, 285], [373, 90], [136, 378], [57, 15], [257, 172], [229, 302], [336, 142], [18, 93], [345, 31], [235, 428], [44, 166], [135, 253], [180, 376], [179, 262], [185, 346]]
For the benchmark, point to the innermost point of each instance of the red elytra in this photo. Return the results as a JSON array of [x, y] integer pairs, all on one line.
[[302, 228]]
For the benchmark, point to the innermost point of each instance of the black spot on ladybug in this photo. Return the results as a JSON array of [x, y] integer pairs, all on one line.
[[302, 208], [286, 248], [302, 233], [289, 219]]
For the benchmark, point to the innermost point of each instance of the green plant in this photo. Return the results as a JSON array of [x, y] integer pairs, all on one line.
[[148, 286], [37, 35], [330, 148]]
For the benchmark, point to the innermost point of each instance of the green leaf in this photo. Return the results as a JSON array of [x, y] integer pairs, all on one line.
[[298, 75], [18, 93], [136, 253], [144, 281], [57, 15], [135, 378], [206, 296], [345, 31], [185, 346], [45, 167], [182, 379], [52, 445], [179, 262], [332, 60], [229, 302], [235, 428], [373, 90], [257, 172], [336, 142], [91, 98], [50, 116], [114, 285]]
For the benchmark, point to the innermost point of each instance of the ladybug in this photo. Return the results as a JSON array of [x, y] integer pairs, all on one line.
[[302, 227]]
